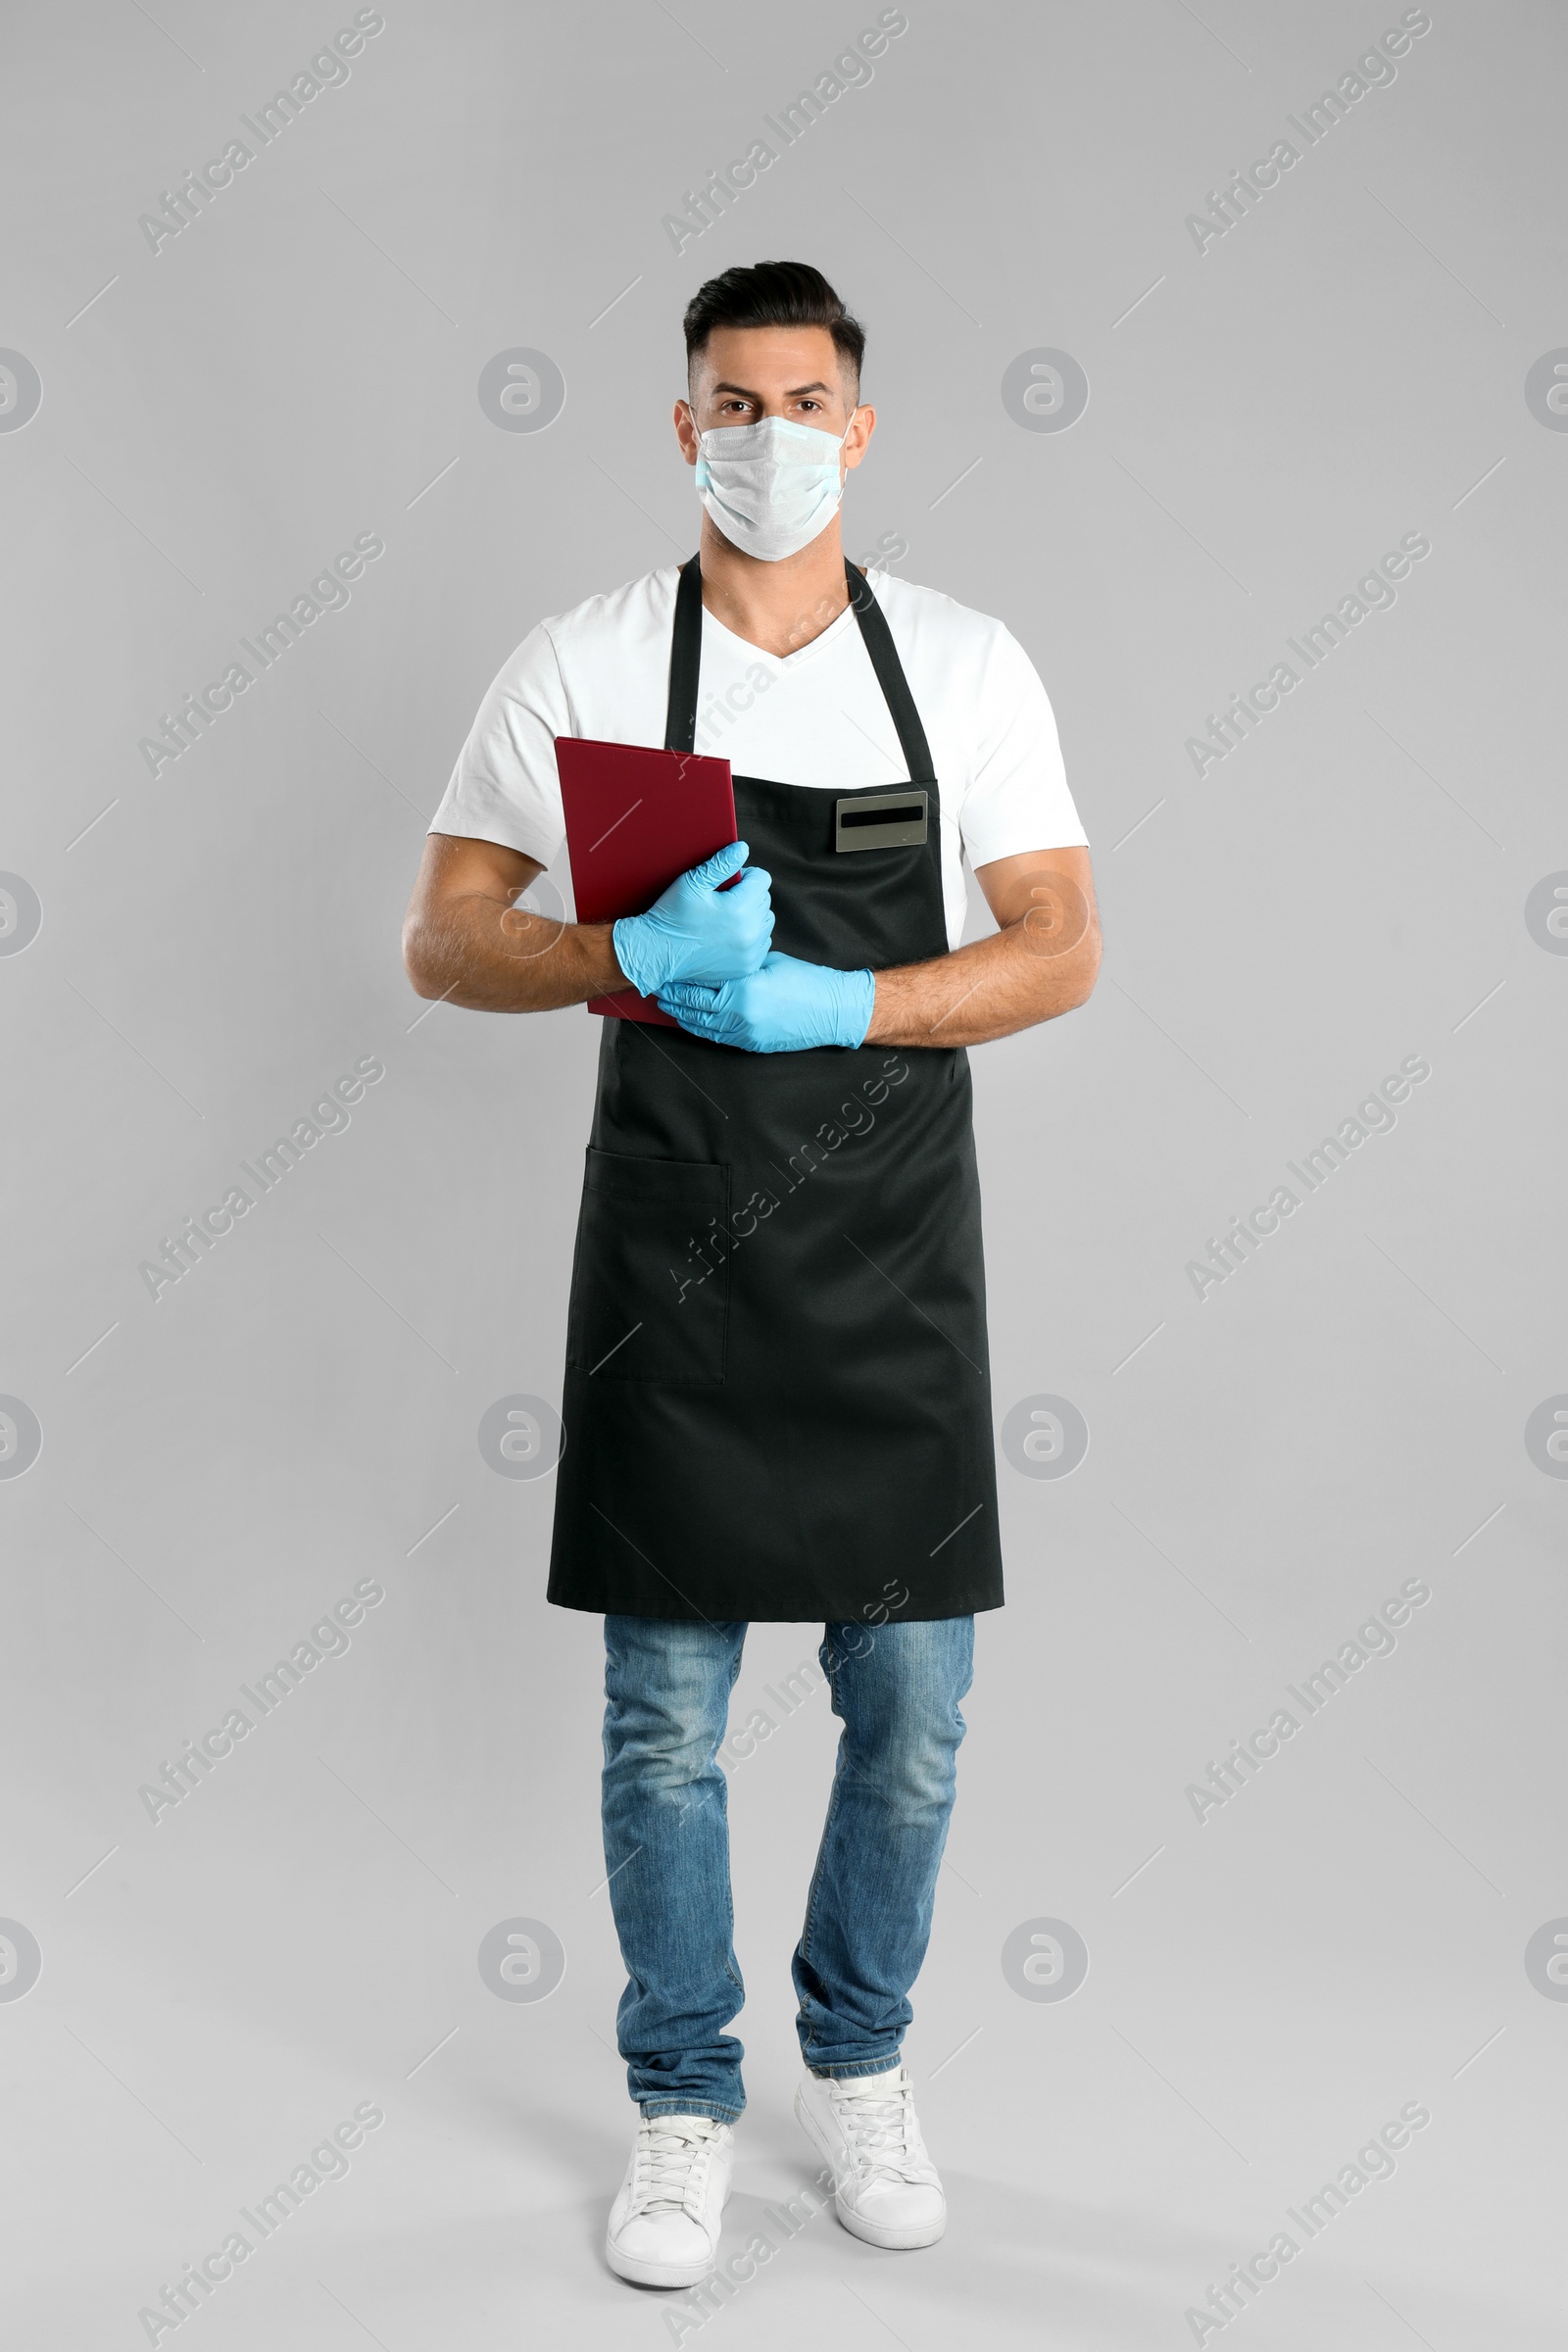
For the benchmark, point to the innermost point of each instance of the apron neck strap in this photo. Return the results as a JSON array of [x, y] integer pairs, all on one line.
[[686, 654], [685, 661], [877, 638]]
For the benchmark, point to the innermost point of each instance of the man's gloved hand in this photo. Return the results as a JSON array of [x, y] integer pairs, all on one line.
[[698, 932], [781, 1009]]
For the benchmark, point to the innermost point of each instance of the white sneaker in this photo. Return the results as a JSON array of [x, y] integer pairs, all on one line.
[[664, 2224], [885, 2186]]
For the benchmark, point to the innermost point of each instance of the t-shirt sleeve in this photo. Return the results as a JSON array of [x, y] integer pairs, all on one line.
[[506, 786], [1016, 798]]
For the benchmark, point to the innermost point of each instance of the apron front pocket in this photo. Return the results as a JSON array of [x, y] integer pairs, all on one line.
[[650, 1283]]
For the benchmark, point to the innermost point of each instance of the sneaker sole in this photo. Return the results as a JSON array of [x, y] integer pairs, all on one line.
[[642, 2273], [875, 2234]]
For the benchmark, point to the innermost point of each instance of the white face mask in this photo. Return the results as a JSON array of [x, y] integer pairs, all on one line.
[[771, 487]]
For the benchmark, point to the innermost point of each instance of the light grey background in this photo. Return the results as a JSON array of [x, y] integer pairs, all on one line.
[[1264, 1467]]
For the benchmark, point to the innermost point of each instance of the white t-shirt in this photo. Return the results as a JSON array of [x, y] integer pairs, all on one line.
[[814, 717]]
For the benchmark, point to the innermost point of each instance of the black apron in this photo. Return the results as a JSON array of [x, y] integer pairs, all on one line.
[[777, 1400]]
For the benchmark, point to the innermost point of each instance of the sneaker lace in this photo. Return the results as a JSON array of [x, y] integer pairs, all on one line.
[[881, 2133], [671, 2164]]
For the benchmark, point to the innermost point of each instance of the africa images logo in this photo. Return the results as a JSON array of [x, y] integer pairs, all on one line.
[[521, 389], [21, 391], [20, 1436], [20, 1960], [522, 1960], [184, 204]]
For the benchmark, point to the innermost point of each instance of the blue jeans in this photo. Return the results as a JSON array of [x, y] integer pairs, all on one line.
[[668, 1681]]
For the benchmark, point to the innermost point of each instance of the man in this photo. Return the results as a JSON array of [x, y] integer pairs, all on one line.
[[776, 1398]]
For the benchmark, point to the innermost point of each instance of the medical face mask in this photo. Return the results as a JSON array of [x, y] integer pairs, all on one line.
[[771, 487]]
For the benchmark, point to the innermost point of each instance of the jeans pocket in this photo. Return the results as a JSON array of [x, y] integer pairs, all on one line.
[[649, 1282]]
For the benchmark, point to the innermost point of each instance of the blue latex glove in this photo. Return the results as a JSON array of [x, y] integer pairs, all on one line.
[[698, 932], [781, 1009]]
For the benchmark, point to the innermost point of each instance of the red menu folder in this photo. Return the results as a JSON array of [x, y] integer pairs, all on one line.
[[635, 820]]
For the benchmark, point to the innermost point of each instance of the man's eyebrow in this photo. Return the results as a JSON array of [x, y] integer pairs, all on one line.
[[795, 391]]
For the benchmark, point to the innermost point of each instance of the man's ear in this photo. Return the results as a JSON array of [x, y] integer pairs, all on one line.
[[865, 418]]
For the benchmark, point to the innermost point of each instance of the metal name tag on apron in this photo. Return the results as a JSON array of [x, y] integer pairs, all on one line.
[[886, 820], [776, 1400]]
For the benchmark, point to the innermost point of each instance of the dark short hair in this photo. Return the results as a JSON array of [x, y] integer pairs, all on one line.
[[772, 294]]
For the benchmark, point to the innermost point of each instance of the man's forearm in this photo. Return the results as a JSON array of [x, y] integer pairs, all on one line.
[[490, 957], [987, 990], [479, 950]]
